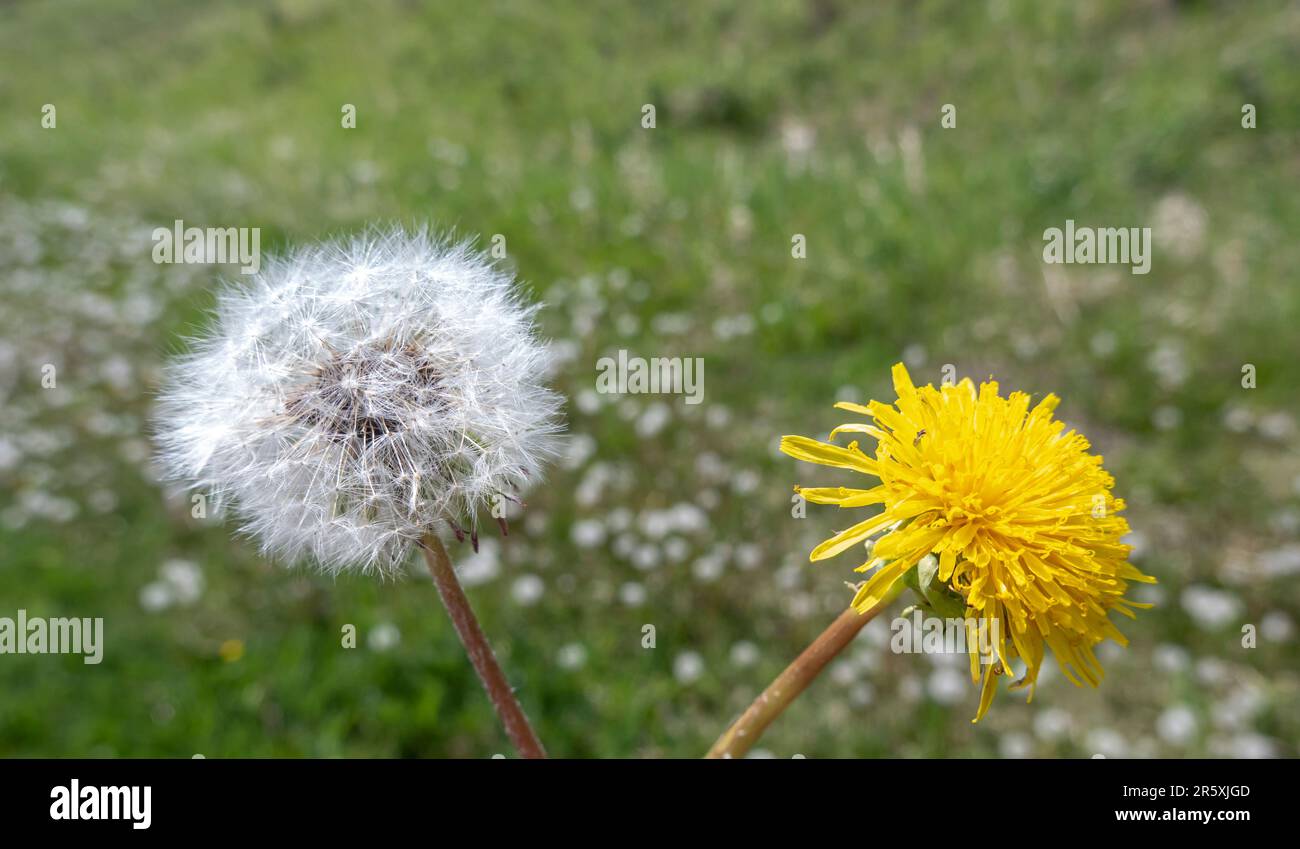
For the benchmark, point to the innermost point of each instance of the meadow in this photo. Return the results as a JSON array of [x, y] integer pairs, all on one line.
[[777, 125]]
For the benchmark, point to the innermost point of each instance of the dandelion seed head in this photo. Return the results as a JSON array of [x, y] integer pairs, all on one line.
[[355, 395]]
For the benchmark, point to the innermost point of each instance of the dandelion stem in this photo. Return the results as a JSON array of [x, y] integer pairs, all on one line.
[[508, 709], [745, 731]]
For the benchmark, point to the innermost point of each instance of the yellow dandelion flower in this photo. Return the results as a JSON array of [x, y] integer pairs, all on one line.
[[1018, 514]]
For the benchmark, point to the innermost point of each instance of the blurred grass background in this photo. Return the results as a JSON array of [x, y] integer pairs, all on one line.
[[817, 118]]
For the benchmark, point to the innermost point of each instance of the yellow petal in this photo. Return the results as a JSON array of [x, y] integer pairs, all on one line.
[[843, 496], [851, 537], [812, 451], [988, 691], [877, 587], [902, 381]]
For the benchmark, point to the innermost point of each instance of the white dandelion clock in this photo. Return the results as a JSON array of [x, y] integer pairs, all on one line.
[[355, 399], [355, 396]]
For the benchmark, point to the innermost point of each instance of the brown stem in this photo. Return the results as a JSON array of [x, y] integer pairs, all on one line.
[[480, 653], [745, 731]]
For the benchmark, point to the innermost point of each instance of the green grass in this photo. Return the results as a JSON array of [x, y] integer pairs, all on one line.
[[525, 120]]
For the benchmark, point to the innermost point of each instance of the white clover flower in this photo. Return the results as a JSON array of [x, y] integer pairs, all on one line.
[[354, 396]]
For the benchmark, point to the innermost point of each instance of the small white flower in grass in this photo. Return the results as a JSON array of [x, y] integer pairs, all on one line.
[[184, 578], [355, 395], [632, 594], [688, 667], [689, 518], [653, 420], [9, 454], [156, 596], [527, 590], [1212, 672], [744, 654], [655, 524], [624, 545], [861, 695], [1247, 746], [1280, 562], [581, 448], [915, 355], [710, 466], [1277, 426], [587, 533], [1276, 626], [1108, 743], [746, 482], [947, 686], [1016, 745], [1103, 344], [572, 656], [910, 689], [1239, 706], [481, 567], [1053, 724], [1238, 419], [1170, 658], [709, 567], [1210, 608], [383, 637], [749, 555], [1177, 725], [1167, 417], [646, 557], [619, 519], [843, 673]]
